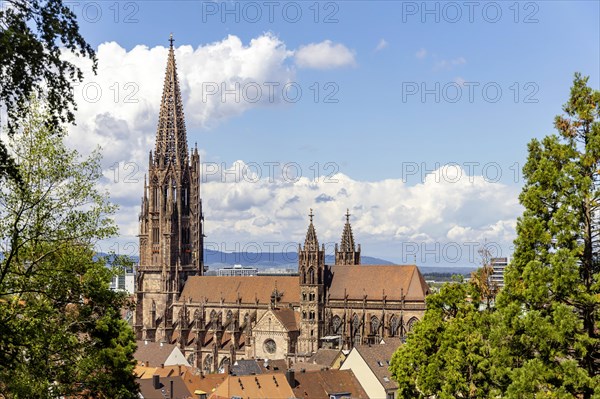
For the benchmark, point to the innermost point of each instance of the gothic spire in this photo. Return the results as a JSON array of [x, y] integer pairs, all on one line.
[[311, 242], [171, 138], [347, 237]]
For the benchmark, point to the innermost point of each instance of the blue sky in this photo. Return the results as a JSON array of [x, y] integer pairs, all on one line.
[[374, 59]]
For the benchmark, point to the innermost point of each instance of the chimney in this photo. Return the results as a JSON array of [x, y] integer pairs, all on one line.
[[291, 378], [156, 381], [162, 365], [171, 396], [179, 368]]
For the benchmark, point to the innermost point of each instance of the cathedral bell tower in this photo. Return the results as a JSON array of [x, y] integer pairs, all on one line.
[[347, 253], [311, 270], [171, 233]]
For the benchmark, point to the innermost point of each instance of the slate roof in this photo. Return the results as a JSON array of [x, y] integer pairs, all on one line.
[[245, 367], [375, 280], [322, 384]]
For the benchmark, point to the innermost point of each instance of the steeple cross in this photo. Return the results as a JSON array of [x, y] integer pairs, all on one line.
[[171, 40], [311, 215], [347, 215]]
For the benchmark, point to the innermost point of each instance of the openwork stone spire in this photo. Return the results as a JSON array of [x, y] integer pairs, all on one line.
[[171, 138], [347, 254], [347, 237], [311, 242]]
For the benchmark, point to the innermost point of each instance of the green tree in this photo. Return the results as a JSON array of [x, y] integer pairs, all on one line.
[[541, 339], [33, 33], [549, 308], [61, 332], [447, 354]]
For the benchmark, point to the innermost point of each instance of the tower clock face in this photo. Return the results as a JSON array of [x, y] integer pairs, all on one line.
[[270, 346]]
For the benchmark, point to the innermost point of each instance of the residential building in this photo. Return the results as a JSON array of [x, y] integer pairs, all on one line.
[[155, 354], [370, 364]]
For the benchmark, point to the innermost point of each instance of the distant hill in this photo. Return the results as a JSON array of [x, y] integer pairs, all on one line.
[[289, 260], [216, 259]]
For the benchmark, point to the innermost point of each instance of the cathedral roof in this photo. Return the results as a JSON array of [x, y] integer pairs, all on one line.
[[171, 138], [347, 237], [248, 288], [374, 281]]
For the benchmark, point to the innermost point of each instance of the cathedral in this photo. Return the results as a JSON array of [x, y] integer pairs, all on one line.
[[217, 320]]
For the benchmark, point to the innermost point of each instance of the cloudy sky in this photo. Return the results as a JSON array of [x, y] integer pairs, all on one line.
[[413, 115]]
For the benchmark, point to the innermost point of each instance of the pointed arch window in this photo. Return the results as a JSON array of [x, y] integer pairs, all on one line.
[[336, 324], [356, 329], [394, 324], [311, 275], [375, 327], [411, 324]]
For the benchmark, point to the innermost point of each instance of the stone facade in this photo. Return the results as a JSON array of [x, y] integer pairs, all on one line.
[[217, 320]]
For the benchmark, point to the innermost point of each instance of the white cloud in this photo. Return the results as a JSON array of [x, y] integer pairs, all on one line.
[[422, 53], [448, 64], [381, 45], [324, 55], [448, 209], [243, 208]]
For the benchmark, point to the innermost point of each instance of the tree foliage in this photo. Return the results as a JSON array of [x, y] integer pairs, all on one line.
[[61, 331], [33, 33], [540, 339], [550, 305]]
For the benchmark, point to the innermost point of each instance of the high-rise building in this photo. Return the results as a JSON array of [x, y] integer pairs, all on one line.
[[497, 277]]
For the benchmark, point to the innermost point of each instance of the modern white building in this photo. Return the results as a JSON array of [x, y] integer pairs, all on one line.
[[497, 277], [124, 282], [238, 270]]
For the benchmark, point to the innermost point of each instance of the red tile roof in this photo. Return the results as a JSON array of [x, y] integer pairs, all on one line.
[[375, 280]]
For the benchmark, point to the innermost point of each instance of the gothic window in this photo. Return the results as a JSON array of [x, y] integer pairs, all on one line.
[[191, 358], [270, 346], [213, 319], [208, 364], [304, 315], [165, 197], [224, 363], [356, 329], [375, 326], [303, 276], [246, 318], [411, 323], [311, 275], [312, 315], [155, 198], [394, 326], [336, 323], [229, 314], [311, 296], [155, 235]]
